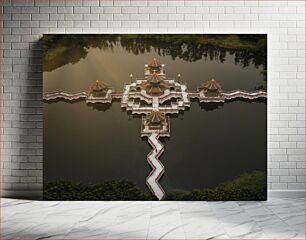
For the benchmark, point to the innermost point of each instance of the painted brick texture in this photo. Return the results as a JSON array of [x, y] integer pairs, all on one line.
[[24, 22]]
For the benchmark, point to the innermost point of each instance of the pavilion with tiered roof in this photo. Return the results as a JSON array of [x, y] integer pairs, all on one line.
[[155, 120], [99, 92], [211, 88], [156, 85], [154, 66], [98, 89]]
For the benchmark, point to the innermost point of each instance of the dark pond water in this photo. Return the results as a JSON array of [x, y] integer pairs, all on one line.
[[207, 146]]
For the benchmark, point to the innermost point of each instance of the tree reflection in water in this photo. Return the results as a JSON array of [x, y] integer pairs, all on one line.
[[247, 48]]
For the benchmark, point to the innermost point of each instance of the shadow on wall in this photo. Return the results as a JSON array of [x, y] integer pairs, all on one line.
[[30, 124]]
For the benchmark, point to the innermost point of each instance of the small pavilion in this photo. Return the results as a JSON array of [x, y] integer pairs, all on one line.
[[211, 88], [155, 65], [156, 85], [155, 120], [98, 89]]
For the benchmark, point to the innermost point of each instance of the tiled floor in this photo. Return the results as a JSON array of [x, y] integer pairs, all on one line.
[[274, 219]]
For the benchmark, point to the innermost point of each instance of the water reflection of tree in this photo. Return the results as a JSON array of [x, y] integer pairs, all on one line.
[[103, 107], [63, 49], [210, 106]]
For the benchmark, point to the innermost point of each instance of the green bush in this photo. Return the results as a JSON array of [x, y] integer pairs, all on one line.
[[249, 186], [108, 190]]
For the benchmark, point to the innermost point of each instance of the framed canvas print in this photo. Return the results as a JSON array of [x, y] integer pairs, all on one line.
[[155, 117]]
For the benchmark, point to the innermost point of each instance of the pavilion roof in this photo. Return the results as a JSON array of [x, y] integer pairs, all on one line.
[[154, 63], [155, 90], [155, 117], [155, 78], [99, 86], [211, 85]]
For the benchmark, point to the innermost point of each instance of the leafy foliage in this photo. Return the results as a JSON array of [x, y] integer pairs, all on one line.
[[108, 190], [250, 186]]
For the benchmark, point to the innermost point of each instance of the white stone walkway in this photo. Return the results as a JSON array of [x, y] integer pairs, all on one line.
[[158, 168]]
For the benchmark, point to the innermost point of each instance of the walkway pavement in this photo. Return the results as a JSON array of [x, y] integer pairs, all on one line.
[[274, 219], [158, 168]]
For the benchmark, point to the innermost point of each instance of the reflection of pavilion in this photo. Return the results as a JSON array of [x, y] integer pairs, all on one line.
[[155, 97]]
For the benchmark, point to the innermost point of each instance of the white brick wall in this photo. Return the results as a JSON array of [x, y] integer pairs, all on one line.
[[24, 21]]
